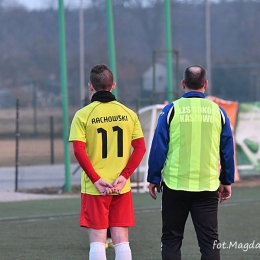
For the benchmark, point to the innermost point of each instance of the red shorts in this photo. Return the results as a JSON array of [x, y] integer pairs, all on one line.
[[101, 212]]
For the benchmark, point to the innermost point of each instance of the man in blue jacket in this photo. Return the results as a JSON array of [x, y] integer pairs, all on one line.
[[192, 135]]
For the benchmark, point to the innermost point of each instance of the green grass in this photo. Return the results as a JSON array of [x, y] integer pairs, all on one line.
[[48, 229]]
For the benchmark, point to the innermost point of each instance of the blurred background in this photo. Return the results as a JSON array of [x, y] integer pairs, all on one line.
[[222, 36], [29, 47]]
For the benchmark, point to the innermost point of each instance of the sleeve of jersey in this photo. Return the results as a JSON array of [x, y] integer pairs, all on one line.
[[226, 153], [135, 158], [77, 129], [84, 161], [159, 147]]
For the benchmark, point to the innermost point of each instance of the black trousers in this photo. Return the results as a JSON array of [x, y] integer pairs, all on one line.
[[108, 233], [203, 207]]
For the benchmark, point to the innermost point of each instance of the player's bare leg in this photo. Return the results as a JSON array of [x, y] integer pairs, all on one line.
[[97, 240], [121, 244]]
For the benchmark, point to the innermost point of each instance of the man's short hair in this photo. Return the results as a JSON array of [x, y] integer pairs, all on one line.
[[194, 77], [101, 77]]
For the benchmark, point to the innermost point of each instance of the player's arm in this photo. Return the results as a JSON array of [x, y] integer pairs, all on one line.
[[159, 147], [133, 162], [227, 170], [79, 151], [159, 150], [84, 161], [135, 158], [226, 153]]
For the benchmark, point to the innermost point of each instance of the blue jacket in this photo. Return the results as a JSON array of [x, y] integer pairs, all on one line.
[[159, 147]]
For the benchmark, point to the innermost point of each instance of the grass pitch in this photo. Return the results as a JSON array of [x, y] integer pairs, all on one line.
[[48, 229]]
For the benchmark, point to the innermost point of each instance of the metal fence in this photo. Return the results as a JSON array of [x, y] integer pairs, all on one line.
[[31, 148]]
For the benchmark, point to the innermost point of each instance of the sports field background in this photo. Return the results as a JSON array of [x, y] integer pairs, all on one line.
[[48, 229]]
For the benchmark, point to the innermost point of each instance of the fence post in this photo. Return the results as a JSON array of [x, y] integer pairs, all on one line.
[[17, 135], [35, 108], [52, 139], [63, 67]]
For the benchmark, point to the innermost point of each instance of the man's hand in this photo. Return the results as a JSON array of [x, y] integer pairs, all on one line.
[[103, 187], [118, 184], [224, 192], [152, 188]]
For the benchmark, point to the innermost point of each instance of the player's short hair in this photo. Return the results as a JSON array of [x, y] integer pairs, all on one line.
[[194, 77], [101, 77]]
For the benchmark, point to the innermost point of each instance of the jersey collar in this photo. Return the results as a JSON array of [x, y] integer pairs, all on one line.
[[192, 94], [103, 96]]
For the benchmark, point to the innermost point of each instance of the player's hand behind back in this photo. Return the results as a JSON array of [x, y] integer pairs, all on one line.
[[118, 184], [103, 187]]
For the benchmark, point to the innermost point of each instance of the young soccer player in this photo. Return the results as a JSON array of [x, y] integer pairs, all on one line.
[[103, 134]]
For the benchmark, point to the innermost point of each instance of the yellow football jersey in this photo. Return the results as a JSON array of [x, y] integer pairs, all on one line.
[[108, 130]]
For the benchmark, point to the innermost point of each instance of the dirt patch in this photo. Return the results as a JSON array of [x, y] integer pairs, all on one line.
[[33, 152], [52, 190]]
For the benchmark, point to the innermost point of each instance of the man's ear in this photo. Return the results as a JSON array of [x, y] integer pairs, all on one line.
[[183, 85], [90, 87], [206, 84], [113, 86]]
